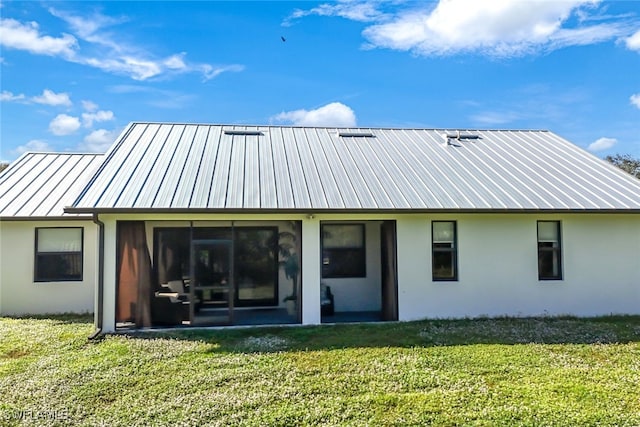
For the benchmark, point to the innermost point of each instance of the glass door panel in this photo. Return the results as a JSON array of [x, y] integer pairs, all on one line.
[[212, 290], [256, 263]]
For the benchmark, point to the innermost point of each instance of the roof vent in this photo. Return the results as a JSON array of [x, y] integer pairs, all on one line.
[[459, 136], [357, 134], [242, 132]]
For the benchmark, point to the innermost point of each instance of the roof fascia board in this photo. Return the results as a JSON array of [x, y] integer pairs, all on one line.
[[45, 218], [343, 211]]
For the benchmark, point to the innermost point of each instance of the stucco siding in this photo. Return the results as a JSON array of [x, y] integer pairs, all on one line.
[[498, 267], [497, 261], [20, 294]]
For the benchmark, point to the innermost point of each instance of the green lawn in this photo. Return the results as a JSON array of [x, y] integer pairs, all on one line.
[[493, 372]]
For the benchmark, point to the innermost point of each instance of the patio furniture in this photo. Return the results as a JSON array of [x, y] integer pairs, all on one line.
[[326, 300]]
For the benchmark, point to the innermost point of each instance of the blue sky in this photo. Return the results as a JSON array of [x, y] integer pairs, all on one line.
[[74, 74]]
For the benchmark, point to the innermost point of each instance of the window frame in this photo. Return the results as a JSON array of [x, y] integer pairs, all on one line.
[[453, 250], [37, 277], [361, 270], [558, 251]]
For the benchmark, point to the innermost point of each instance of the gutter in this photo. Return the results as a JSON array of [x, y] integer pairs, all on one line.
[[317, 211], [98, 332]]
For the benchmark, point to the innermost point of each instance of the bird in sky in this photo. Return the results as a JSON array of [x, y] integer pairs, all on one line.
[[283, 39]]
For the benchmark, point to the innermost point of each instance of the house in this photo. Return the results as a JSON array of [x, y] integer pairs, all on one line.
[[47, 257], [215, 224], [218, 224]]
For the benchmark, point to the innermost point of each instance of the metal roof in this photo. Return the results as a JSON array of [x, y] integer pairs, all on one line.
[[40, 185], [198, 167]]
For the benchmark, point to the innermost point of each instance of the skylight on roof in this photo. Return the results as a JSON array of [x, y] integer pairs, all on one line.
[[460, 135], [357, 134], [242, 132]]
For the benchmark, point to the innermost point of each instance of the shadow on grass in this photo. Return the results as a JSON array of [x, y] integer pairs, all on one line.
[[425, 333], [59, 318]]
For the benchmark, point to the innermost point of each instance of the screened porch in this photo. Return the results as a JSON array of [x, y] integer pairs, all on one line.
[[208, 273]]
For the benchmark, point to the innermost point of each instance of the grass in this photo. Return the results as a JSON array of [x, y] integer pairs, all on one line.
[[484, 372]]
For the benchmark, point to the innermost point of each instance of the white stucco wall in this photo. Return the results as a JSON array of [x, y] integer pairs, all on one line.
[[19, 294], [498, 267], [497, 260], [361, 293]]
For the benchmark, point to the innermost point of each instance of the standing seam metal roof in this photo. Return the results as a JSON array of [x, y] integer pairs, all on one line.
[[40, 185], [165, 166]]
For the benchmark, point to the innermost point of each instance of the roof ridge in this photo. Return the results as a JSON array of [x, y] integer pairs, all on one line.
[[135, 122], [57, 153]]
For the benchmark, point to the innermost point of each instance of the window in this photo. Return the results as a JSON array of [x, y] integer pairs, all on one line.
[[343, 250], [444, 256], [58, 255], [549, 251]]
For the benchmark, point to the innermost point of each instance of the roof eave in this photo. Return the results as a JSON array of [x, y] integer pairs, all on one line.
[[271, 211], [83, 217]]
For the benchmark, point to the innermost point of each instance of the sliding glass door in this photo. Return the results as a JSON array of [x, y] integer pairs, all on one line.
[[256, 266], [212, 288], [253, 251]]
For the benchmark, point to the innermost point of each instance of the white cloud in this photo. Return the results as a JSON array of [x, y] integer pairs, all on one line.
[[335, 114], [602, 144], [140, 68], [89, 106], [98, 116], [633, 42], [98, 141], [101, 48], [49, 97], [176, 62], [7, 96], [33, 145], [635, 99], [63, 124], [136, 68], [594, 34], [119, 57], [88, 29], [497, 28], [209, 72], [356, 11], [26, 36], [493, 118]]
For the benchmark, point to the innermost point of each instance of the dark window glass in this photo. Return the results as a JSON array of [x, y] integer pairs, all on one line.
[[255, 260], [343, 251], [549, 251], [444, 250], [58, 256], [171, 254]]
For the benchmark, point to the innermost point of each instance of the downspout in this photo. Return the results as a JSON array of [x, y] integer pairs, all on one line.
[[100, 224]]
